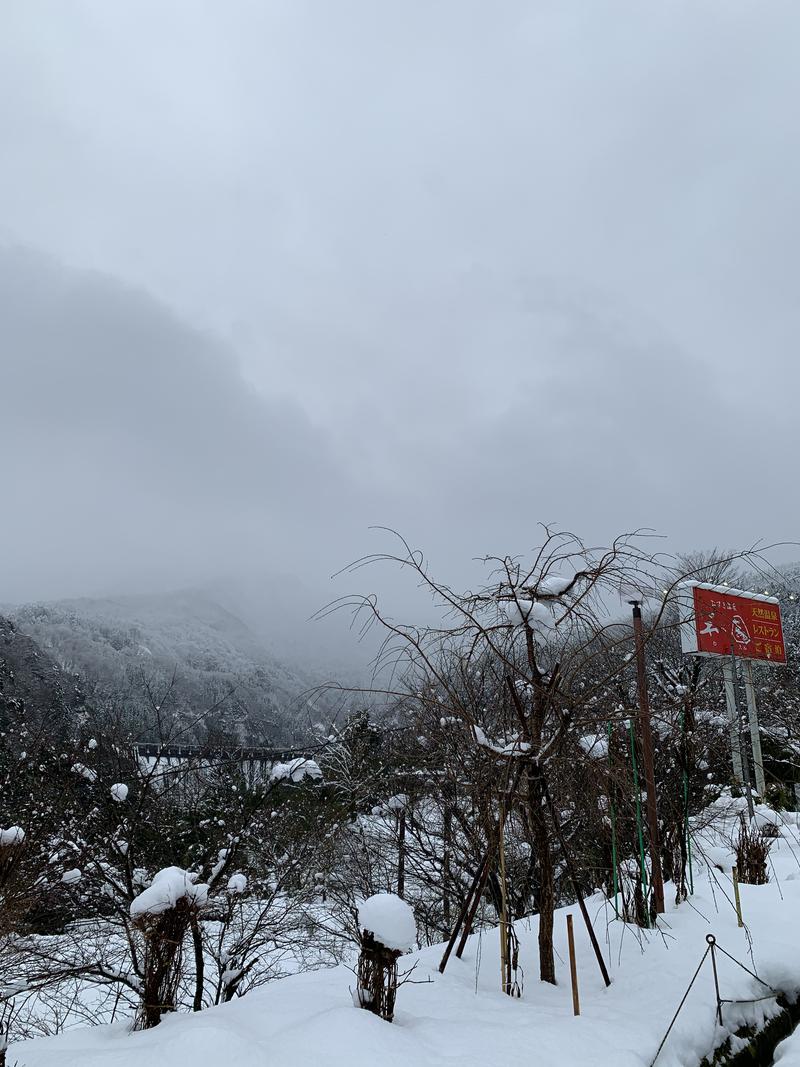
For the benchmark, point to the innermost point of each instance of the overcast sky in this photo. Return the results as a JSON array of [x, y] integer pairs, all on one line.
[[272, 272]]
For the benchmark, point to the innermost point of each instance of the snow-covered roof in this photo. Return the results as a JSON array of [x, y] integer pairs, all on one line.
[[727, 590]]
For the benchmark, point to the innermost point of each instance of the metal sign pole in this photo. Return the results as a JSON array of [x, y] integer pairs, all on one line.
[[743, 754], [733, 722], [755, 736]]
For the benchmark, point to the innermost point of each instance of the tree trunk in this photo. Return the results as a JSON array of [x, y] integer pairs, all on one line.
[[541, 840], [199, 965]]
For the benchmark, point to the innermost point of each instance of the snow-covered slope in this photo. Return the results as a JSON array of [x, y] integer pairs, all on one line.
[[462, 1017]]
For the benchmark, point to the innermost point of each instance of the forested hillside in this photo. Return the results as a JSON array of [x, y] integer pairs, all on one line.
[[134, 651]]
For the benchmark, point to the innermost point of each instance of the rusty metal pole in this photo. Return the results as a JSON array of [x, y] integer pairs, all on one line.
[[646, 735]]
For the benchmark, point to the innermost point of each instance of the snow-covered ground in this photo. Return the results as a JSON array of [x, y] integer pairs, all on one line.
[[462, 1017], [787, 1054]]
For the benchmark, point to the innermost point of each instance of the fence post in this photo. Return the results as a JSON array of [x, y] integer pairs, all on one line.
[[573, 969]]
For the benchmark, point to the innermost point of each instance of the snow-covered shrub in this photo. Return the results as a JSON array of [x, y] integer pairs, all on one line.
[[163, 913], [752, 850], [388, 930]]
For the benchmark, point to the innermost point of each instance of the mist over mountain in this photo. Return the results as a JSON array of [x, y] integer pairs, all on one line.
[[190, 650]]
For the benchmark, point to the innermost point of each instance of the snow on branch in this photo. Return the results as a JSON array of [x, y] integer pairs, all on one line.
[[517, 747]]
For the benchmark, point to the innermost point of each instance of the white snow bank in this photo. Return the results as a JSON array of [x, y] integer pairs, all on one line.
[[168, 887], [119, 791], [787, 1054], [390, 921], [295, 770], [14, 835]]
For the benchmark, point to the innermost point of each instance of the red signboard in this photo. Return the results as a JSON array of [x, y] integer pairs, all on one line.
[[724, 620]]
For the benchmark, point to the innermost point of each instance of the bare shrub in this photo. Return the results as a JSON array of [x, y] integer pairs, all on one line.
[[164, 936], [752, 849]]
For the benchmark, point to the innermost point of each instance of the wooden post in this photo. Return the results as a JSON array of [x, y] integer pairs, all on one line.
[[573, 969], [735, 874]]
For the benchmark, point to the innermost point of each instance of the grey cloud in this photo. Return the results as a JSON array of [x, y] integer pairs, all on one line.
[[454, 268], [135, 446]]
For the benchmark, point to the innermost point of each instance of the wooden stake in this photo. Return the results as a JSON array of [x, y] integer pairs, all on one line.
[[735, 874], [573, 969]]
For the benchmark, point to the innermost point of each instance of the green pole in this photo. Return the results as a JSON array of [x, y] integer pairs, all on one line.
[[687, 838], [686, 830], [642, 864], [613, 829]]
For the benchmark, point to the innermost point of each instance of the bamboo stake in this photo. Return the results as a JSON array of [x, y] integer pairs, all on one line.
[[472, 910], [473, 896], [735, 874], [467, 915], [573, 969]]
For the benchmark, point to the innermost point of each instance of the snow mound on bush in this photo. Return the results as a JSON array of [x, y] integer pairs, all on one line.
[[295, 770], [14, 835], [119, 791], [530, 612], [237, 884], [390, 921], [168, 887]]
